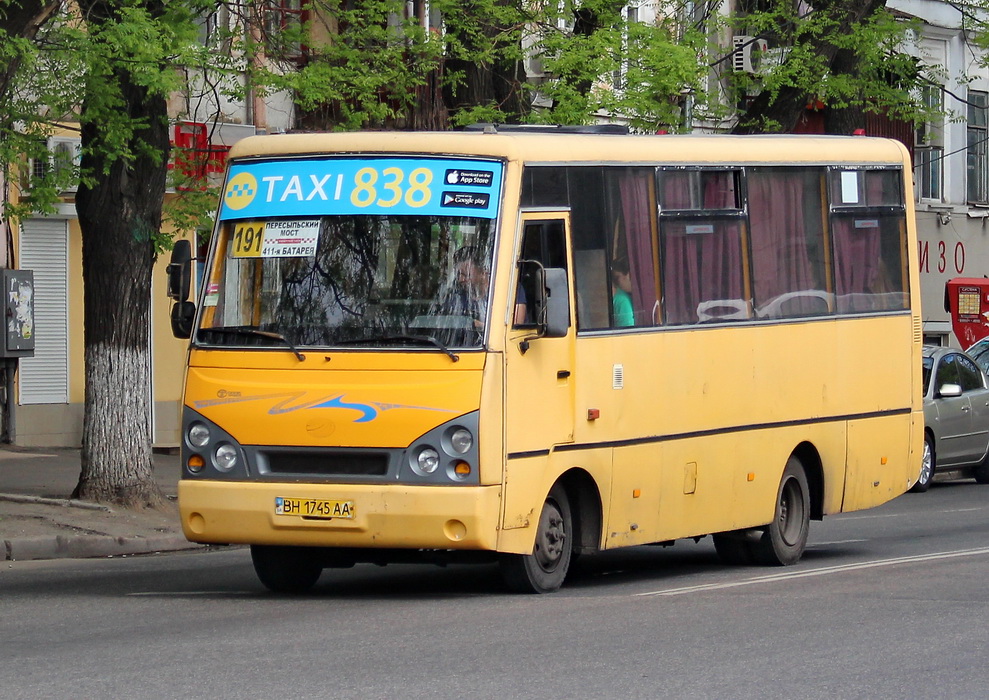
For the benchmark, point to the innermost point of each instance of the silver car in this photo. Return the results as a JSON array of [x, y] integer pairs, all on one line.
[[956, 418]]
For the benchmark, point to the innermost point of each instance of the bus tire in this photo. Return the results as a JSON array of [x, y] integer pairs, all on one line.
[[286, 569], [784, 539], [733, 548], [544, 570], [928, 464]]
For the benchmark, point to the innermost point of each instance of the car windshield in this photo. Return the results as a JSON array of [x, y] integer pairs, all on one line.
[[350, 280], [980, 353], [928, 371]]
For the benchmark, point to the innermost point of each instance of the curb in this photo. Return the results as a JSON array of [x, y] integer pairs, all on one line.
[[90, 546], [64, 502]]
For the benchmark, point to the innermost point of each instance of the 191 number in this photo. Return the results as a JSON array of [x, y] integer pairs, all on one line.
[[247, 239], [415, 194]]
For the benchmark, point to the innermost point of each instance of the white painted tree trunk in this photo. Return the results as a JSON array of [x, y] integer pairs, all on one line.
[[118, 464]]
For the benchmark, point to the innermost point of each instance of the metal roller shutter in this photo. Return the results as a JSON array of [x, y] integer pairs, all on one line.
[[44, 248]]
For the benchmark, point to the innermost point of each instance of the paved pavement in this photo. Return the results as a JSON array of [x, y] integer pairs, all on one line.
[[39, 521]]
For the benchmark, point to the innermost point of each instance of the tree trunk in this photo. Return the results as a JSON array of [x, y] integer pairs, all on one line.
[[844, 120], [118, 214], [494, 83]]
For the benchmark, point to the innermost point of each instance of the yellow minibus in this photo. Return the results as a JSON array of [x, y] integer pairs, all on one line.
[[519, 345]]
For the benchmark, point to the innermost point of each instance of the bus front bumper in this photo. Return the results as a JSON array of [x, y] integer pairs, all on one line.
[[375, 516]]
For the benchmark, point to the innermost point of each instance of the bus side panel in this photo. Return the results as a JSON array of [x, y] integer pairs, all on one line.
[[716, 483], [529, 480], [881, 463]]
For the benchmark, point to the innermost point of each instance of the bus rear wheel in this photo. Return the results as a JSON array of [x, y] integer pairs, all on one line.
[[544, 570], [286, 569], [784, 539]]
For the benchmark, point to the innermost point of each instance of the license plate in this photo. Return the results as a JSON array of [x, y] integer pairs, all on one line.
[[315, 508]]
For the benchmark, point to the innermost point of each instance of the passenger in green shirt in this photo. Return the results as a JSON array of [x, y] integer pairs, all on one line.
[[621, 302]]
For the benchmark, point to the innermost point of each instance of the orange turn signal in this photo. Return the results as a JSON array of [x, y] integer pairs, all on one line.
[[196, 463]]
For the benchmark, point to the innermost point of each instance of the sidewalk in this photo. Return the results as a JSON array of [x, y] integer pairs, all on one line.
[[38, 521]]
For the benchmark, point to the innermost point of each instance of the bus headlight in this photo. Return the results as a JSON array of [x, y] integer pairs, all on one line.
[[426, 461], [198, 435], [461, 440], [225, 457]]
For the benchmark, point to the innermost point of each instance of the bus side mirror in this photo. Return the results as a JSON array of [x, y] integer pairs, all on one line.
[[557, 302], [179, 271], [183, 314]]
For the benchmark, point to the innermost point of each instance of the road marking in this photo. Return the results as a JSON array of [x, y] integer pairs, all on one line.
[[186, 593], [828, 544], [841, 568], [842, 517], [963, 510]]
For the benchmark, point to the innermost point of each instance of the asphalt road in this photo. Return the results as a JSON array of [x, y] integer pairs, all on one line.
[[887, 603]]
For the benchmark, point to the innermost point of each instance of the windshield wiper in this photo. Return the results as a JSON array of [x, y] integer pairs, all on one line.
[[243, 330], [420, 339]]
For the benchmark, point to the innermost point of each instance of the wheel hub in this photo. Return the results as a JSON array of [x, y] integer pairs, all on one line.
[[790, 513], [551, 538]]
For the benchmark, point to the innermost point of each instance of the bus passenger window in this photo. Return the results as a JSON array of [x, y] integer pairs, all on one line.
[[786, 234], [633, 276], [614, 232], [868, 238], [701, 247], [703, 272]]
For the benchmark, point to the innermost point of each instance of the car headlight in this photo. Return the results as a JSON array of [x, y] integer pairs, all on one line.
[[461, 440], [225, 457], [427, 461], [198, 435]]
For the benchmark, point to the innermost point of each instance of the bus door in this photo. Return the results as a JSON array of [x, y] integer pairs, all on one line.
[[539, 370]]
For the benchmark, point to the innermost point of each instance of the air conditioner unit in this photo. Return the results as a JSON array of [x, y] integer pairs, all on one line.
[[922, 136], [771, 58], [64, 153], [534, 69], [747, 53], [928, 135]]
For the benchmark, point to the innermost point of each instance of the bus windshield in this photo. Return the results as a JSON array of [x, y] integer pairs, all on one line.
[[350, 280]]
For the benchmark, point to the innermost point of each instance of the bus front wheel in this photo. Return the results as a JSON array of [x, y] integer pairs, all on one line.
[[543, 571], [286, 569], [783, 541]]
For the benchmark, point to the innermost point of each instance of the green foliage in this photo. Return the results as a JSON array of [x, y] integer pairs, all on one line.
[[863, 63], [192, 209], [599, 65], [368, 73], [368, 66], [488, 113], [86, 58]]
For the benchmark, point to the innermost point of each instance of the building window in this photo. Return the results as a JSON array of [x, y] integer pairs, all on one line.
[[284, 21], [978, 133], [929, 145]]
